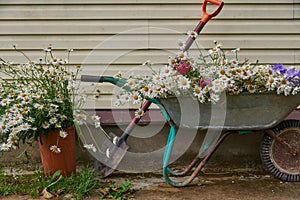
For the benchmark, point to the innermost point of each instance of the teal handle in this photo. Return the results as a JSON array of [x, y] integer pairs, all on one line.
[[100, 79]]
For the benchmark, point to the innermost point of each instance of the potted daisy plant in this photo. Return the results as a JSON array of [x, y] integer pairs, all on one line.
[[37, 104]]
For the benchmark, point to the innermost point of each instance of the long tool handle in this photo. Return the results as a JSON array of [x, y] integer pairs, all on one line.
[[94, 79], [205, 18]]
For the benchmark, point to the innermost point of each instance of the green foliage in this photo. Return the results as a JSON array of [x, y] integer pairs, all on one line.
[[77, 187], [120, 192]]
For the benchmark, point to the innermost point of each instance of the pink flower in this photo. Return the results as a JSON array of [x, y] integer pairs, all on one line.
[[204, 83], [183, 67]]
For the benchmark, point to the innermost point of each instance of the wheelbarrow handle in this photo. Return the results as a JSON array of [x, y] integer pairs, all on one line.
[[101, 79], [95, 79]]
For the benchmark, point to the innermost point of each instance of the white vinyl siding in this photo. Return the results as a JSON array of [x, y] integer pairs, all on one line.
[[109, 36]]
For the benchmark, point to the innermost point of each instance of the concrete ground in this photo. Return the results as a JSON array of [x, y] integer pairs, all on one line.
[[239, 184]]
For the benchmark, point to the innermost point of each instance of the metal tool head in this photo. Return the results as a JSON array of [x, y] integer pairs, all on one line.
[[114, 152]]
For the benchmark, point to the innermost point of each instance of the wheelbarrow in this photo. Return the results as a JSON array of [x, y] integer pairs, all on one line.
[[233, 114]]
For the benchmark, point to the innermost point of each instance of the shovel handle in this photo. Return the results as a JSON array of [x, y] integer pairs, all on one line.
[[206, 16]]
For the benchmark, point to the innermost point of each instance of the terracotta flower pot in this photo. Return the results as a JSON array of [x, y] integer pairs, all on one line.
[[65, 160]]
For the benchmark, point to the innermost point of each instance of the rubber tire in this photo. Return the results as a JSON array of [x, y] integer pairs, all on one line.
[[277, 164]]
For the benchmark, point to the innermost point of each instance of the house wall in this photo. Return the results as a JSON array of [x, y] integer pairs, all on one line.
[[111, 36]]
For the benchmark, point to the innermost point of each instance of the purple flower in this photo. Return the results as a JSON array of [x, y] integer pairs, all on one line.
[[279, 68], [293, 76], [291, 73]]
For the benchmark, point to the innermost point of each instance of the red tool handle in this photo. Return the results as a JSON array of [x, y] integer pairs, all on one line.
[[205, 18]]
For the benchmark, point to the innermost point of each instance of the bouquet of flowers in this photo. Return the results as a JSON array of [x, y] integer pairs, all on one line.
[[207, 76]]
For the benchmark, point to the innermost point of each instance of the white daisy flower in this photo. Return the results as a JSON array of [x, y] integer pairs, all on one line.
[[181, 44], [136, 97], [26, 101], [12, 139], [124, 98], [25, 127], [139, 113], [53, 120], [46, 125], [90, 147], [71, 86], [22, 95], [183, 82], [166, 71], [55, 149], [11, 123], [295, 90], [97, 124], [271, 83], [63, 134], [192, 34], [14, 110], [197, 91], [96, 118], [3, 128], [235, 50], [214, 50], [157, 78], [183, 55], [5, 147], [79, 118], [5, 102], [18, 119], [38, 106], [214, 97], [132, 83], [251, 88]]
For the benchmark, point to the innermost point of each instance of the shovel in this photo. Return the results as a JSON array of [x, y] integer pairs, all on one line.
[[115, 150]]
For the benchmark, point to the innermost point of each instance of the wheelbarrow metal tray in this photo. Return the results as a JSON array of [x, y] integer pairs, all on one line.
[[244, 111]]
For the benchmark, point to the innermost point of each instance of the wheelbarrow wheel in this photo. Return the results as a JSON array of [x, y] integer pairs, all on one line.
[[276, 158]]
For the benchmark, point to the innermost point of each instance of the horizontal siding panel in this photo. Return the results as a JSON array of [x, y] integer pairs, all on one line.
[[297, 10], [131, 42], [58, 12], [148, 27], [235, 26], [156, 56]]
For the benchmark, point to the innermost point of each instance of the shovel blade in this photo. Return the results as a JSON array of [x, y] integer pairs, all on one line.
[[113, 156]]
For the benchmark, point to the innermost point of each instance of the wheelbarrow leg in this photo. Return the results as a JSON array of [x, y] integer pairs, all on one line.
[[186, 170], [167, 169], [209, 141]]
